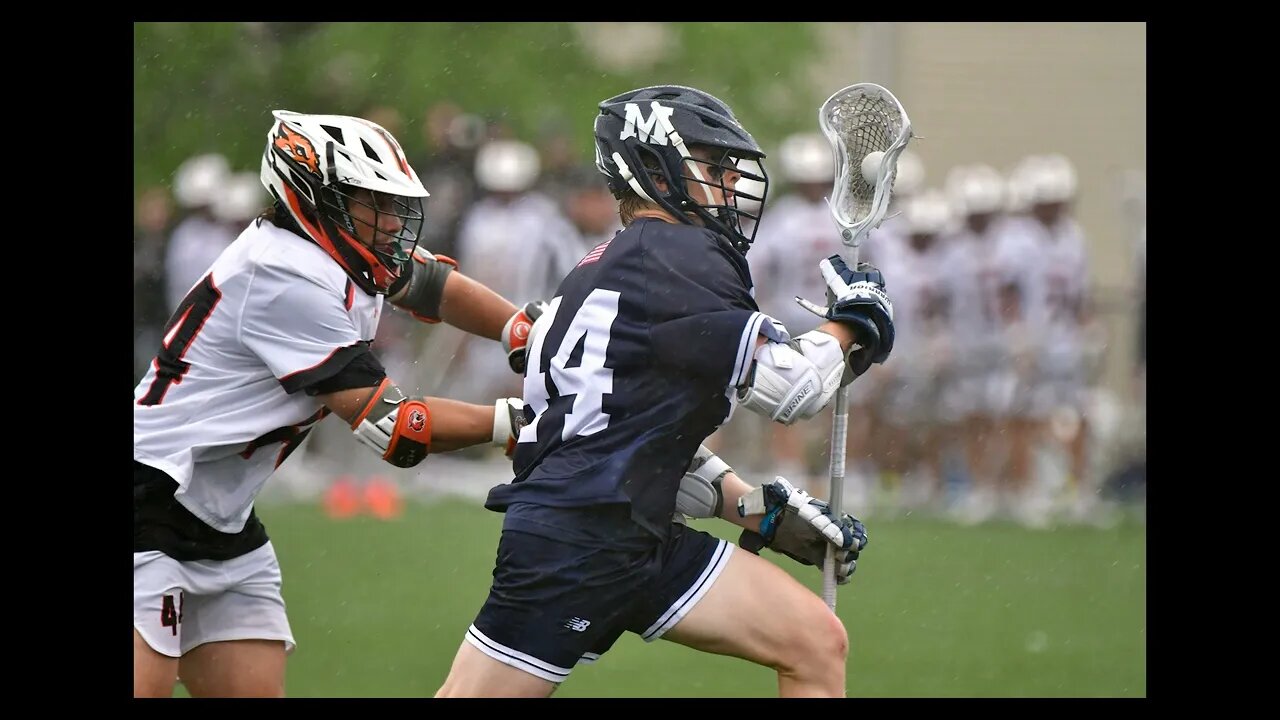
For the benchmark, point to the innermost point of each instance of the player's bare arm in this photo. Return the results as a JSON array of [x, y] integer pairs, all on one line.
[[433, 292]]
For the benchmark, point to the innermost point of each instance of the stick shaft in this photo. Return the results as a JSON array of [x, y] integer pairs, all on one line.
[[835, 495]]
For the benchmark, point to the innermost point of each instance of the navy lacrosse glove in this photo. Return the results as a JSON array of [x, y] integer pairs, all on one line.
[[857, 298]]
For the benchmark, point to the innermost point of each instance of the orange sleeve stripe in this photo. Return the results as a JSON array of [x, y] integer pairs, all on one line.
[[377, 395]]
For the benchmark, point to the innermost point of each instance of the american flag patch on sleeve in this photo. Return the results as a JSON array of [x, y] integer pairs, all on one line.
[[595, 254]]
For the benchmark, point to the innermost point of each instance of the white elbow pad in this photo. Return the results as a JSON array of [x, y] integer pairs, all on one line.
[[700, 495], [794, 380]]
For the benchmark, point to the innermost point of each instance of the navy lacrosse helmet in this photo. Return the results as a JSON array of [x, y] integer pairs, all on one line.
[[645, 134]]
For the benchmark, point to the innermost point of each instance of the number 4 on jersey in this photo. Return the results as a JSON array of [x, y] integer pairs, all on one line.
[[588, 381]]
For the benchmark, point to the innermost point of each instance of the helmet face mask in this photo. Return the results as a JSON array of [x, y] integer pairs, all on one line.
[[681, 149], [347, 185], [387, 226]]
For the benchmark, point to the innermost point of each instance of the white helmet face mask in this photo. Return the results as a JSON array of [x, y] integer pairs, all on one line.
[[314, 166]]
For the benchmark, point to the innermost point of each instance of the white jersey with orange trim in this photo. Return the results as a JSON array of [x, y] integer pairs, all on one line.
[[220, 406]]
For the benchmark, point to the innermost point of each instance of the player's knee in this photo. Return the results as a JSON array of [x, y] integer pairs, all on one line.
[[821, 648]]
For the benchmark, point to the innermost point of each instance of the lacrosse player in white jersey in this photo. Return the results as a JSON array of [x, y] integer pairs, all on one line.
[[911, 387], [977, 278], [274, 337], [1059, 306], [201, 184]]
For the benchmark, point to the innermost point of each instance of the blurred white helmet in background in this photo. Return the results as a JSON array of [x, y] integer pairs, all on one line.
[[806, 158], [1051, 179], [976, 189], [1018, 196], [927, 213], [507, 166], [241, 198], [199, 179], [910, 177]]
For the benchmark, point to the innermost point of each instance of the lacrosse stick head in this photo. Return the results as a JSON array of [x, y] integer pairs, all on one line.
[[859, 120]]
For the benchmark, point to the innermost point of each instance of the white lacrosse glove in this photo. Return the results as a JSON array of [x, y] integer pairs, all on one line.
[[508, 419], [801, 527]]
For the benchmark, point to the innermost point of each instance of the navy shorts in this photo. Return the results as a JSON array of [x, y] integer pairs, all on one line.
[[558, 599]]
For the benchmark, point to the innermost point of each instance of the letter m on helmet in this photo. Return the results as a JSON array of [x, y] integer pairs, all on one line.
[[654, 130]]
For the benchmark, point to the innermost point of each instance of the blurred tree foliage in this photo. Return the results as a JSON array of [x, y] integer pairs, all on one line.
[[201, 87]]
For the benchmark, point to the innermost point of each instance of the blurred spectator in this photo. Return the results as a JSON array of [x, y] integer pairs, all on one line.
[[152, 219], [560, 169], [198, 238], [590, 206], [241, 199], [450, 137], [516, 241], [388, 117]]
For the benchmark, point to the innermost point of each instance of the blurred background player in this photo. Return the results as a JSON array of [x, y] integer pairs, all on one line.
[[152, 222], [517, 241], [975, 277], [910, 440], [1060, 306], [199, 238]]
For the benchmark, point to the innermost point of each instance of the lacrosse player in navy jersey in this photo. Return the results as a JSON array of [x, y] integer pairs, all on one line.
[[275, 336], [649, 344]]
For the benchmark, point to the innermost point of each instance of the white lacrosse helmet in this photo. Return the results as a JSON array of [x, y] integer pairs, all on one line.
[[312, 166], [507, 166], [240, 200], [806, 158], [1018, 196], [976, 189], [199, 180], [928, 213], [1051, 179]]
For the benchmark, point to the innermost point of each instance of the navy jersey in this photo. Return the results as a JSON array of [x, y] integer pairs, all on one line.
[[648, 337]]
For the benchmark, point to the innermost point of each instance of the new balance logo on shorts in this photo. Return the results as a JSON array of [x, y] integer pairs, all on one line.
[[577, 624]]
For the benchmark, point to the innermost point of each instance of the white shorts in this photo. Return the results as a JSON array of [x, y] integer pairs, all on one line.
[[178, 606]]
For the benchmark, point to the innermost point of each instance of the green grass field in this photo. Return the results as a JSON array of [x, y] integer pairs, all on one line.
[[936, 610]]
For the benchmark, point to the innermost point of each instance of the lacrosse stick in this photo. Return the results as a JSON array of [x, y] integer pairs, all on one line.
[[868, 130]]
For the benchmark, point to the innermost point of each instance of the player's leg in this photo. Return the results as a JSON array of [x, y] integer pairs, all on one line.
[[552, 603], [235, 668], [754, 610], [158, 601], [236, 639], [476, 674], [154, 673]]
